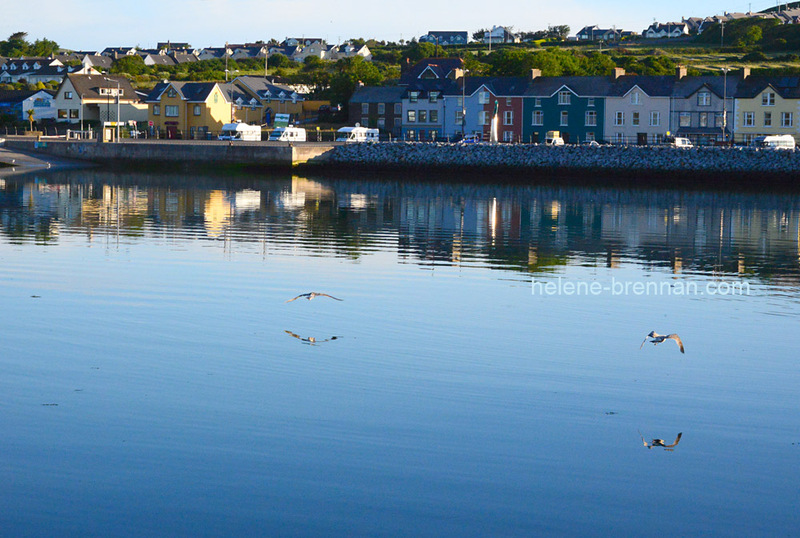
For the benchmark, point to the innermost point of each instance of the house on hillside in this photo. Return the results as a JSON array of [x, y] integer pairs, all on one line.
[[94, 98], [445, 39], [35, 70], [158, 59], [595, 33], [348, 50], [500, 34], [98, 62], [116, 53], [669, 30]]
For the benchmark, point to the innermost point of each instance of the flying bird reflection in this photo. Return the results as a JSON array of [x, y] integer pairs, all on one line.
[[311, 341], [660, 442], [313, 294], [658, 338]]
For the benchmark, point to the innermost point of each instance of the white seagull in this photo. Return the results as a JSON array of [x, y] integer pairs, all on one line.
[[660, 442], [658, 338], [313, 294]]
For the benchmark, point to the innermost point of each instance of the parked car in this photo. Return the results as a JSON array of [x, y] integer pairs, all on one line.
[[553, 138]]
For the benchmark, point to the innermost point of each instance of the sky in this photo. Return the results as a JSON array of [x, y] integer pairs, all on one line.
[[96, 24]]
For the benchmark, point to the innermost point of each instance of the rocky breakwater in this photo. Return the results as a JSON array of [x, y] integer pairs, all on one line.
[[625, 160]]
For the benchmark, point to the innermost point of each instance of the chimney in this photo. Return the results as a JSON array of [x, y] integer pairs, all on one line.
[[535, 73], [618, 72], [680, 72], [745, 72]]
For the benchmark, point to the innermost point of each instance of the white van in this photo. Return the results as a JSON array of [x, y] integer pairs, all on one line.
[[776, 142], [357, 134], [288, 134], [240, 131], [679, 142], [553, 138]]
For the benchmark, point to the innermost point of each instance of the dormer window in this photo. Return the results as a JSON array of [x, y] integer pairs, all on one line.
[[768, 99], [413, 96], [564, 97], [67, 95], [433, 97], [172, 93], [704, 99], [635, 98]]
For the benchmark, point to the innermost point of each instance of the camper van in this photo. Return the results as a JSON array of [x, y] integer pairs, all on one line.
[[288, 134], [240, 131], [553, 138], [775, 142], [357, 134]]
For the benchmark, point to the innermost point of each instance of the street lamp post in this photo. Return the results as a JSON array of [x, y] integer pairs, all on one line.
[[464, 102], [725, 104], [108, 112]]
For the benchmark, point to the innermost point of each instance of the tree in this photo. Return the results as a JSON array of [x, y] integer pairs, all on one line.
[[480, 34], [558, 32], [31, 112], [352, 71], [132, 65]]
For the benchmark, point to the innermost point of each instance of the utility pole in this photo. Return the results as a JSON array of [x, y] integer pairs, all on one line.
[[722, 34]]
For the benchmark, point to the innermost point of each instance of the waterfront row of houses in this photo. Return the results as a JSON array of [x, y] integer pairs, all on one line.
[[438, 100]]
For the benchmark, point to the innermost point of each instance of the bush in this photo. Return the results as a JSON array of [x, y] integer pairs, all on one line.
[[756, 56]]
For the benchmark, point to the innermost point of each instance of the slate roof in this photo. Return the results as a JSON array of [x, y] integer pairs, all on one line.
[[89, 85], [786, 87], [161, 59], [17, 96], [441, 67], [596, 86], [193, 92], [98, 61], [260, 86], [378, 94], [182, 58], [653, 86], [688, 86]]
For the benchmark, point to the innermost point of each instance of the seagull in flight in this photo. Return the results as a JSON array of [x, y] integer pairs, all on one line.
[[658, 338], [311, 340], [313, 294], [660, 442]]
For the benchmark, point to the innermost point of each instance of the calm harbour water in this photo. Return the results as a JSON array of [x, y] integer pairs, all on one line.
[[155, 382]]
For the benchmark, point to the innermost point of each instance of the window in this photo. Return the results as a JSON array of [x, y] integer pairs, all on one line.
[[767, 119], [655, 119], [636, 99], [156, 110], [433, 97], [508, 117], [365, 108], [635, 118], [67, 95], [591, 118], [381, 109], [433, 116], [364, 120], [171, 111], [564, 97], [786, 119], [619, 118], [459, 119], [538, 118], [411, 133], [483, 97], [413, 96], [590, 136], [411, 116], [508, 101], [537, 102], [73, 113], [422, 116], [62, 113], [460, 102], [749, 119], [196, 110], [704, 99], [398, 109], [590, 101], [685, 119], [483, 118], [171, 92], [381, 123], [704, 119], [564, 118], [619, 138], [768, 99], [508, 136], [719, 120]]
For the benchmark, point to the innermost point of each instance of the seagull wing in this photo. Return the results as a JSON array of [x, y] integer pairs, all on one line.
[[331, 296], [643, 441], [677, 340], [290, 333], [677, 440], [299, 297], [643, 341]]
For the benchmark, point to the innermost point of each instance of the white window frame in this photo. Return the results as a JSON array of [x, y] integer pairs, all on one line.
[[749, 119], [787, 119], [365, 109], [635, 98], [767, 119], [483, 117], [537, 118], [704, 98], [655, 119], [508, 117], [590, 118], [411, 116], [685, 119], [172, 111], [381, 108], [768, 99], [564, 119], [619, 118], [564, 97], [635, 119], [483, 97]]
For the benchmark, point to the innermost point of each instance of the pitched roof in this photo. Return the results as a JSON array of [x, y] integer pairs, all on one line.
[[193, 92], [786, 87], [595, 86], [653, 86], [378, 94], [440, 67], [89, 85], [688, 86], [260, 86]]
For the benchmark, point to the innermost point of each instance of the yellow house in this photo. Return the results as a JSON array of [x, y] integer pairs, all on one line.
[[767, 106], [193, 110], [272, 98]]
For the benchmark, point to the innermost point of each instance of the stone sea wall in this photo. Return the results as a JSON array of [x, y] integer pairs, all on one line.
[[610, 159]]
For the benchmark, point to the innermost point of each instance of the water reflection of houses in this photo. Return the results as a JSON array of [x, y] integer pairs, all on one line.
[[524, 229]]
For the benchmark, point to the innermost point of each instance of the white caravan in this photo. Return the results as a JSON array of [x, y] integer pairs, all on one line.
[[288, 134], [240, 131], [357, 134]]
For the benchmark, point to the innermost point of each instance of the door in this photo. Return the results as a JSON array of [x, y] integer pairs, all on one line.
[[641, 139]]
